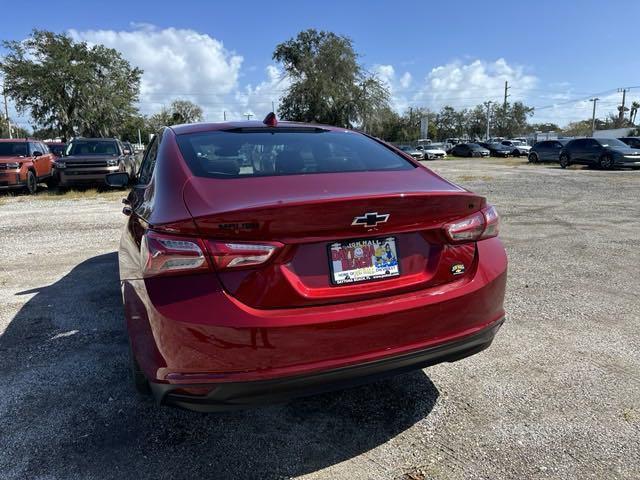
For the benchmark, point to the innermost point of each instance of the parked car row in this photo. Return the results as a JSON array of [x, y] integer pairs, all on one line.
[[501, 148], [432, 151], [605, 153], [25, 163]]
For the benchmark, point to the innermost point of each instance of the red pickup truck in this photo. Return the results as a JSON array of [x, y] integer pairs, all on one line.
[[24, 163]]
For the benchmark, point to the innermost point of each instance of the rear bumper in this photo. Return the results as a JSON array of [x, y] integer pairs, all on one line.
[[237, 395], [187, 331]]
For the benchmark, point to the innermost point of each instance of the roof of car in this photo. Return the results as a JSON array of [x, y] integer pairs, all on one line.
[[19, 140], [95, 138], [207, 127]]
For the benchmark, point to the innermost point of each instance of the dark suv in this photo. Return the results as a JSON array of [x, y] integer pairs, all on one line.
[[469, 150], [88, 160], [606, 153], [547, 151]]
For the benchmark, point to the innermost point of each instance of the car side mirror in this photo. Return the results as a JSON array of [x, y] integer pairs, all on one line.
[[37, 154], [117, 179]]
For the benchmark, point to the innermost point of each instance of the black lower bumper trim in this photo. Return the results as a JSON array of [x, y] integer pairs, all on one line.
[[238, 395]]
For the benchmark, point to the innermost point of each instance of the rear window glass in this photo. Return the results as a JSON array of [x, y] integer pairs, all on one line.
[[268, 152], [92, 147]]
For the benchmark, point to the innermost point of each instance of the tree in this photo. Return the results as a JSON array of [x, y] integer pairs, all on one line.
[[18, 132], [476, 124], [633, 111], [510, 119], [180, 111], [131, 126], [328, 85], [69, 86]]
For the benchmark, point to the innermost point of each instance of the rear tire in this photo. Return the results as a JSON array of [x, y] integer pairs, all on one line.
[[138, 378], [564, 160], [32, 183], [606, 162]]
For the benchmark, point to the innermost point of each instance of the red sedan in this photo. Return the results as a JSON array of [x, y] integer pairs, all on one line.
[[263, 261]]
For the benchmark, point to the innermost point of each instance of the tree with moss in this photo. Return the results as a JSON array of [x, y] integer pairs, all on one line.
[[328, 84], [70, 87]]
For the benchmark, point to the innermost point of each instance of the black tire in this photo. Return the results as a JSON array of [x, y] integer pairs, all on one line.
[[606, 162], [533, 158], [32, 183], [140, 382], [564, 160]]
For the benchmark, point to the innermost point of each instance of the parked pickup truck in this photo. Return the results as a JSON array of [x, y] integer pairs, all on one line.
[[24, 163], [88, 160]]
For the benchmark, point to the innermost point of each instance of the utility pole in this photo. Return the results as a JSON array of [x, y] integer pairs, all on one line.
[[249, 115], [593, 116], [488, 105], [506, 89], [273, 106], [139, 138], [624, 96], [224, 115], [6, 113]]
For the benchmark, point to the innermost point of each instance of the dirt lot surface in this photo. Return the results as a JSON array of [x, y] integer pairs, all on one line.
[[556, 396]]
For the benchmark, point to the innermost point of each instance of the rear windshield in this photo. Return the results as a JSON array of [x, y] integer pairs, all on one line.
[[13, 149], [268, 152], [92, 147]]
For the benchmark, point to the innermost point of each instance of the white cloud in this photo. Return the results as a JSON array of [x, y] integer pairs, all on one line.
[[405, 80], [258, 100], [465, 85], [387, 75], [562, 108], [461, 85], [177, 63]]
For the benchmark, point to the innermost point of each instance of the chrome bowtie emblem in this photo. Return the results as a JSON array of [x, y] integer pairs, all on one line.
[[370, 219]]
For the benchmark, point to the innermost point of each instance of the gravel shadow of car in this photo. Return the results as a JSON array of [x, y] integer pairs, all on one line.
[[68, 409]]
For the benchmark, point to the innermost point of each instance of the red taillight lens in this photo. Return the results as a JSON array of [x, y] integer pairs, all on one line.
[[232, 255], [492, 220], [167, 254], [483, 224]]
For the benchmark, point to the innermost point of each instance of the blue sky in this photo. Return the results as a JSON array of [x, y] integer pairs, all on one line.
[[219, 53]]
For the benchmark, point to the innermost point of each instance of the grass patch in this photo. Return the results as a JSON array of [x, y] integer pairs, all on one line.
[[66, 194], [630, 415], [81, 194]]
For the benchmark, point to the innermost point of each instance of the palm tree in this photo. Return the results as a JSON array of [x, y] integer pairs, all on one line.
[[633, 112]]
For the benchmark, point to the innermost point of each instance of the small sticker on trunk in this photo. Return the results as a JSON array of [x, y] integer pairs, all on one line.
[[457, 268]]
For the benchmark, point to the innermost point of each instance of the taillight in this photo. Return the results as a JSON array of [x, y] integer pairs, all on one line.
[[480, 225], [232, 255], [167, 254], [492, 220]]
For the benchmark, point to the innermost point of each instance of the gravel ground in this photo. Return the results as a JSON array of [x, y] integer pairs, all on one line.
[[556, 396]]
